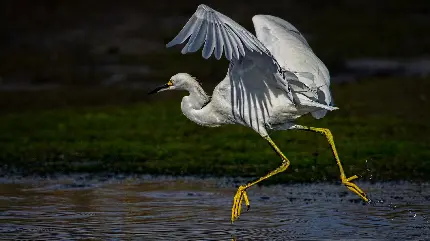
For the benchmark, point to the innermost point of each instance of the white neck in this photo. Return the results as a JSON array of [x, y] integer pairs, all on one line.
[[192, 107]]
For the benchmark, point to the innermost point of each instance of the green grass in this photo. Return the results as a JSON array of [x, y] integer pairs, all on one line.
[[382, 121]]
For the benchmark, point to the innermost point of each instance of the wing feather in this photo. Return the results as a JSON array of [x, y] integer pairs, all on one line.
[[240, 50], [227, 44], [199, 38], [219, 42], [293, 53], [185, 33], [192, 40], [210, 41], [218, 33]]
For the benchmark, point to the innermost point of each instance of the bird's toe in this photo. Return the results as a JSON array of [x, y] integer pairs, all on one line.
[[238, 199]]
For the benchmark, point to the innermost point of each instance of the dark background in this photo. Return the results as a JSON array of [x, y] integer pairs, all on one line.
[[68, 56], [88, 42]]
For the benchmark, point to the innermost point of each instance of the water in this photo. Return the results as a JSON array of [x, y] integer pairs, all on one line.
[[146, 208]]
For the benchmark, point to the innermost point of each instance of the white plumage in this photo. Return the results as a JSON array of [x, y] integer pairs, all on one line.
[[273, 78]]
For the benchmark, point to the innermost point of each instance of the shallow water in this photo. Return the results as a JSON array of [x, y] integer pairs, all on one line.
[[163, 208]]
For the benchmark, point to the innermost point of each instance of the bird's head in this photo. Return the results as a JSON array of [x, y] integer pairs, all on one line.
[[181, 81]]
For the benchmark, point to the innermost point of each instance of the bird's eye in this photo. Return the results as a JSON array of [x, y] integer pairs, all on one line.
[[170, 83]]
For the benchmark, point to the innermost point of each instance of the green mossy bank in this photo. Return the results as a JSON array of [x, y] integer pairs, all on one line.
[[381, 131]]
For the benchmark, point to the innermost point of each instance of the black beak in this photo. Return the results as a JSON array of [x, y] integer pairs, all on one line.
[[165, 86]]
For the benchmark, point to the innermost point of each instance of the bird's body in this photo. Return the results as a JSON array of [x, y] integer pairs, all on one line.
[[219, 110], [273, 79], [251, 93]]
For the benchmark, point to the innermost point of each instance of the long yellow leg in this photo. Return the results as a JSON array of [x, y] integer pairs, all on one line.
[[346, 181], [241, 192]]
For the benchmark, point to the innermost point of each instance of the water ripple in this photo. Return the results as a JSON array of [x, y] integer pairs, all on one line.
[[199, 209]]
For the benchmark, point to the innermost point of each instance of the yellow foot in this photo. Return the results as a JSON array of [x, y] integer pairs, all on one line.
[[237, 202], [354, 188]]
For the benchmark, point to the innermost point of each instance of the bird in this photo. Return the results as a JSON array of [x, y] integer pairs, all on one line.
[[273, 78]]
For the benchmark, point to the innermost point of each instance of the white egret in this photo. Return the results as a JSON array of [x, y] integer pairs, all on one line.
[[272, 79]]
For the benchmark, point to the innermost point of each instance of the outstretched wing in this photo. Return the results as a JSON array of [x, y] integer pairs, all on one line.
[[294, 54], [218, 33], [256, 78]]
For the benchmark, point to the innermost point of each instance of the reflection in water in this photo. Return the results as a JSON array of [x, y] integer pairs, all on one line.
[[195, 209]]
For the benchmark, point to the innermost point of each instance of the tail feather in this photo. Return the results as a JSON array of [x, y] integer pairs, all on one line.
[[319, 114]]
